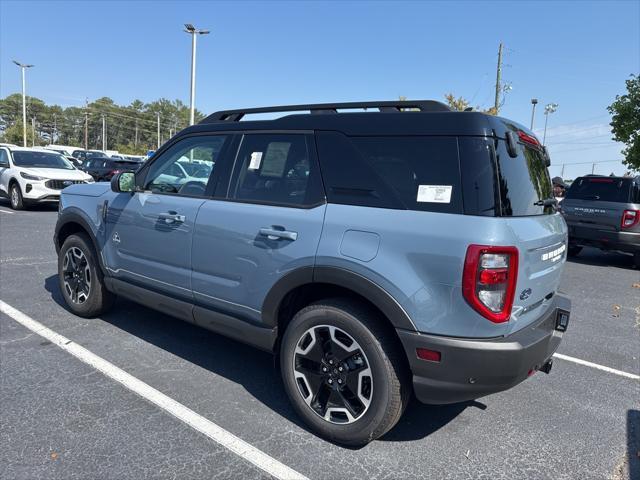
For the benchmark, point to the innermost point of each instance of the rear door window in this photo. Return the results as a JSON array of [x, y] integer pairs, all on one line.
[[604, 189], [277, 169]]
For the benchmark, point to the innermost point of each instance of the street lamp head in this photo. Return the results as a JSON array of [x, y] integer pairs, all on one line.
[[22, 65], [534, 101], [189, 28], [550, 108]]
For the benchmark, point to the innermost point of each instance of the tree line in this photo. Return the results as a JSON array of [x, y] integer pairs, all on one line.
[[130, 129]]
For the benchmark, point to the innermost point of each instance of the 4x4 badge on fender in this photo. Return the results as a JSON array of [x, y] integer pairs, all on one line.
[[526, 293], [116, 238]]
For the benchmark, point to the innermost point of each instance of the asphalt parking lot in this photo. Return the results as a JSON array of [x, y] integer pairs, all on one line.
[[61, 418]]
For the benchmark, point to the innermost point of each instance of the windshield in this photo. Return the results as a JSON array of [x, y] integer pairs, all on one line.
[[605, 189], [41, 160]]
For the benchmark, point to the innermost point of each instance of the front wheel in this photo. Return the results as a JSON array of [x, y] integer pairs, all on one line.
[[15, 197], [344, 371], [80, 277]]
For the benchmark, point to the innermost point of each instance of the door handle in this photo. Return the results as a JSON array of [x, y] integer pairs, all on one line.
[[275, 234], [171, 217]]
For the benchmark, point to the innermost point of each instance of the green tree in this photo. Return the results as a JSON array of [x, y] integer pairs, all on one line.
[[13, 134], [625, 122]]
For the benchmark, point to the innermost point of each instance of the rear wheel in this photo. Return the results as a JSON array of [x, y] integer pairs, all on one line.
[[636, 259], [574, 250], [80, 277], [15, 197], [344, 372]]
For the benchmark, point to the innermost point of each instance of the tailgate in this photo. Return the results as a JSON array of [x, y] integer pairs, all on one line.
[[593, 214], [542, 246]]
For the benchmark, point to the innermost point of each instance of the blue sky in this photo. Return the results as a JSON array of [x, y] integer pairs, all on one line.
[[576, 54]]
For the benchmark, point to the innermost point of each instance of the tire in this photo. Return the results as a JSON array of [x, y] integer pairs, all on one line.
[[91, 298], [574, 250], [15, 197], [636, 259], [376, 369]]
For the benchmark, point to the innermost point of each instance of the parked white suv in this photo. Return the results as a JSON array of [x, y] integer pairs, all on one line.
[[30, 175]]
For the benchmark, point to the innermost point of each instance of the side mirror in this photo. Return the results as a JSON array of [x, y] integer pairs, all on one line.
[[123, 182]]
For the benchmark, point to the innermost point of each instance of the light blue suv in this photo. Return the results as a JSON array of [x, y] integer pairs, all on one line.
[[398, 248]]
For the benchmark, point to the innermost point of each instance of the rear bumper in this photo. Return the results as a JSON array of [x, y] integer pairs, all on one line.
[[472, 368], [593, 237]]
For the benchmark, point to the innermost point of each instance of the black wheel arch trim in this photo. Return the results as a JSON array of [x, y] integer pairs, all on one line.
[[340, 277], [76, 216]]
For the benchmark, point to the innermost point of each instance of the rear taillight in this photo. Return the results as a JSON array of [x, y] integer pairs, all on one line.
[[113, 172], [489, 280], [526, 138], [630, 218]]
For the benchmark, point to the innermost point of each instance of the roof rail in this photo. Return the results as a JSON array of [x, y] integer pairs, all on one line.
[[321, 108]]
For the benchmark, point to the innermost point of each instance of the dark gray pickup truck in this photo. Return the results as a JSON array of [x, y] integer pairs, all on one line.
[[604, 212]]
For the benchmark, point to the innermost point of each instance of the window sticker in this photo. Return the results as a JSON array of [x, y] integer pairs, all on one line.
[[275, 159], [434, 193], [256, 159]]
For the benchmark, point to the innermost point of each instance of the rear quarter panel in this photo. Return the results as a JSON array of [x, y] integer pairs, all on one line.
[[419, 260]]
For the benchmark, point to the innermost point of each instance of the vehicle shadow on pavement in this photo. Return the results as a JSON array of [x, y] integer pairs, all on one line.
[[255, 370], [36, 207], [599, 258]]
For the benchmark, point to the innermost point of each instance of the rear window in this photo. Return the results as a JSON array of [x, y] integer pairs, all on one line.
[[604, 189], [523, 181]]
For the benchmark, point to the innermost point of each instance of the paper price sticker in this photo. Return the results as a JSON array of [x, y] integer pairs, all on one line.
[[434, 193]]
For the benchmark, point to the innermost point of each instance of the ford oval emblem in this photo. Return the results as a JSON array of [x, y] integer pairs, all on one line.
[[526, 293]]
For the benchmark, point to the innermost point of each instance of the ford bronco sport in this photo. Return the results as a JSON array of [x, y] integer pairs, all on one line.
[[604, 212], [376, 253]]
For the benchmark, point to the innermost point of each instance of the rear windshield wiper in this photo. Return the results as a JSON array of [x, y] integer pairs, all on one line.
[[547, 202]]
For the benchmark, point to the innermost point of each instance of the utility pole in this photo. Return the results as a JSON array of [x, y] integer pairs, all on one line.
[[104, 133], [158, 129], [498, 79], [33, 131], [193, 31], [86, 124], [135, 141], [23, 67], [55, 127]]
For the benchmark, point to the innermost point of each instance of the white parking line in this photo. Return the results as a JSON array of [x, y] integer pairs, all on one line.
[[218, 434], [597, 366]]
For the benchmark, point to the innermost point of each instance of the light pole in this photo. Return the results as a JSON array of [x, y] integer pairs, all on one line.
[[548, 108], [104, 133], [23, 67], [534, 102], [193, 31]]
